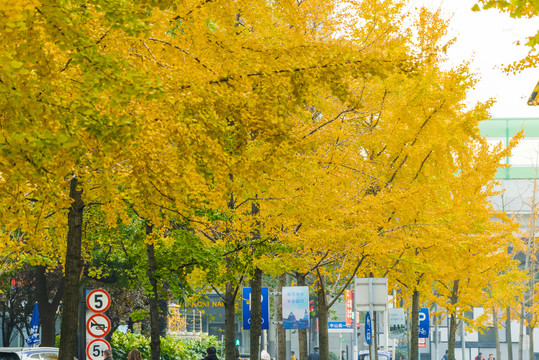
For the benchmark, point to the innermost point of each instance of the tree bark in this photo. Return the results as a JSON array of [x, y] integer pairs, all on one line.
[[47, 306], [414, 351], [496, 333], [508, 335], [230, 321], [302, 333], [323, 318], [281, 332], [256, 314], [453, 322], [531, 355], [163, 310], [521, 335], [73, 272], [155, 339]]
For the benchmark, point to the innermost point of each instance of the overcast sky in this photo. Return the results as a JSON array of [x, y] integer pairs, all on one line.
[[487, 38]]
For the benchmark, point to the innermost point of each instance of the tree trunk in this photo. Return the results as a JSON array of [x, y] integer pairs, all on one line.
[[323, 318], [302, 333], [230, 321], [453, 322], [281, 333], [532, 353], [163, 310], [7, 326], [496, 333], [508, 335], [155, 339], [48, 307], [256, 314], [73, 272], [414, 351], [530, 329], [521, 334]]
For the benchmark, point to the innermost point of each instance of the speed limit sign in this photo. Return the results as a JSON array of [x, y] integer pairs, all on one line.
[[95, 349], [98, 300]]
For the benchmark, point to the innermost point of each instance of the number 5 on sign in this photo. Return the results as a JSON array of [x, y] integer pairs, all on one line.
[[98, 300], [95, 349]]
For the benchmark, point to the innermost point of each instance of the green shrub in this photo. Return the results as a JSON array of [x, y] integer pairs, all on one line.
[[171, 348]]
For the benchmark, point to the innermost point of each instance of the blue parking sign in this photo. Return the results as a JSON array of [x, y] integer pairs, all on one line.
[[246, 306], [423, 323]]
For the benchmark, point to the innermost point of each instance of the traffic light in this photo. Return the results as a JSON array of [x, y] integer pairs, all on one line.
[[534, 99], [238, 342]]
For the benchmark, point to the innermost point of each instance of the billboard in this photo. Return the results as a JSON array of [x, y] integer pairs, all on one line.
[[397, 324], [296, 307], [246, 302]]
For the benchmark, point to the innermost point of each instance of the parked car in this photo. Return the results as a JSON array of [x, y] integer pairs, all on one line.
[[36, 353], [364, 355]]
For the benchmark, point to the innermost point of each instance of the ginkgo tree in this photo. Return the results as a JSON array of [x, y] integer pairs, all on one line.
[[188, 110], [149, 104], [400, 184], [239, 121]]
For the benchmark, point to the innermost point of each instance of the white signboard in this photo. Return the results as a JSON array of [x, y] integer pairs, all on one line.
[[362, 293], [397, 324]]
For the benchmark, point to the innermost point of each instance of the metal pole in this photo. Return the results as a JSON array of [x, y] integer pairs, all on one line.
[[436, 335], [386, 328], [371, 311], [340, 346], [463, 340], [355, 320]]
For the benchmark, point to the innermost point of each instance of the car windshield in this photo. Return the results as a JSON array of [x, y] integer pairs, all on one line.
[[8, 356], [380, 357]]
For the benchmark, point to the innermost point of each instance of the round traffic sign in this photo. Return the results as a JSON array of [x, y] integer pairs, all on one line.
[[98, 300], [95, 349], [98, 325]]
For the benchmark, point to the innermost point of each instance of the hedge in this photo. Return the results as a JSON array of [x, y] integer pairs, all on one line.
[[171, 348]]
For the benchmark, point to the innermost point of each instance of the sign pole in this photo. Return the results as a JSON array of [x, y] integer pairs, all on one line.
[[386, 329], [371, 311], [97, 323], [355, 320], [436, 335]]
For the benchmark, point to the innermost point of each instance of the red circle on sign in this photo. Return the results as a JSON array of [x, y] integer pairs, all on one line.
[[94, 350], [98, 325], [98, 300]]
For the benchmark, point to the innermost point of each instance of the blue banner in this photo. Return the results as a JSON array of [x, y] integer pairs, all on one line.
[[368, 328], [246, 306], [34, 327], [423, 323]]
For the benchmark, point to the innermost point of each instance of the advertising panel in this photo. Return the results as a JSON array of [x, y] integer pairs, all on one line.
[[296, 307], [397, 324]]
